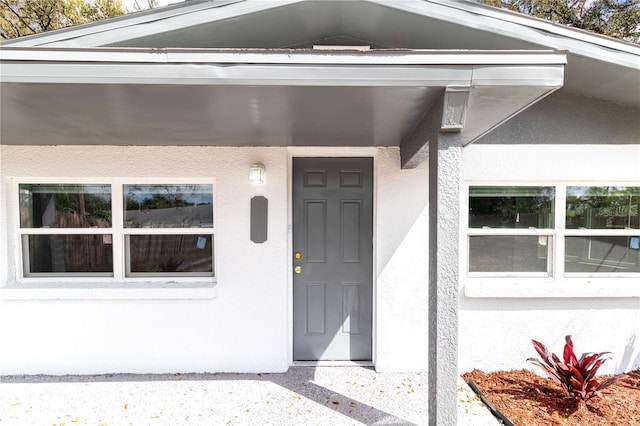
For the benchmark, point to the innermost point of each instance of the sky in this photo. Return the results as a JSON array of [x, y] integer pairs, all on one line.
[[130, 4]]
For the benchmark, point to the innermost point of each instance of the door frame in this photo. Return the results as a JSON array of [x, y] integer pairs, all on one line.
[[328, 152]]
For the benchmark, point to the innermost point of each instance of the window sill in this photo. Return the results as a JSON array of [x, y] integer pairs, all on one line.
[[97, 291], [566, 288]]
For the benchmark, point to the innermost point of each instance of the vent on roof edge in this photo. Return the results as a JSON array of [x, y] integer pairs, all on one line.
[[335, 47]]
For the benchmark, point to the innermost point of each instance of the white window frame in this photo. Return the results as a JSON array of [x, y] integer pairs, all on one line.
[[558, 283], [594, 233], [117, 231], [511, 232]]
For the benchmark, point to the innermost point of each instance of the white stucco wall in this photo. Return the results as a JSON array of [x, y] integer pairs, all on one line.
[[242, 329], [245, 326], [402, 265], [496, 329]]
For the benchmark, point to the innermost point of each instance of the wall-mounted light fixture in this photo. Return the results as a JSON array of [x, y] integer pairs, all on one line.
[[256, 173]]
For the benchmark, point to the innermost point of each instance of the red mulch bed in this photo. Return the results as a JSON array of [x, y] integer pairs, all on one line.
[[531, 400]]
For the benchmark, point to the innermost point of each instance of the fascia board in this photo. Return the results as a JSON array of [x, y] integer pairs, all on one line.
[[525, 28], [281, 75], [518, 75], [285, 69], [283, 56], [239, 74]]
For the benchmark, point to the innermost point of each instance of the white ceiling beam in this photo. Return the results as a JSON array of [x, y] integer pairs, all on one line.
[[471, 111], [454, 111]]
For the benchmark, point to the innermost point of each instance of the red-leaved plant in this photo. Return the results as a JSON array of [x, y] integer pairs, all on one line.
[[575, 376]]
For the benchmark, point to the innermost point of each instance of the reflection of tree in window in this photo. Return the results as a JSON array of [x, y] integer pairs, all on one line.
[[606, 207], [511, 207], [602, 207], [79, 208], [168, 206]]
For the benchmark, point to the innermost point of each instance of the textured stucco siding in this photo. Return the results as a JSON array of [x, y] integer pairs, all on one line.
[[565, 138], [566, 118], [402, 265], [246, 326], [242, 329], [495, 332]]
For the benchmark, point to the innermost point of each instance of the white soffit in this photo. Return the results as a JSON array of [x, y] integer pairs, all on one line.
[[274, 98], [598, 66]]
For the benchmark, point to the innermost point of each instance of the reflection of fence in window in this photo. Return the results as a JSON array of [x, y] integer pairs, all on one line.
[[171, 253], [92, 253], [601, 254], [621, 217], [509, 253], [70, 253], [200, 216], [603, 207]]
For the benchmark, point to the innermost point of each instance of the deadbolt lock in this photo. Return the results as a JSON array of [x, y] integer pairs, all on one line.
[[298, 255], [297, 269]]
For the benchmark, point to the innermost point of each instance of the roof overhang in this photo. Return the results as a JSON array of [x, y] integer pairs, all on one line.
[[598, 66], [234, 97]]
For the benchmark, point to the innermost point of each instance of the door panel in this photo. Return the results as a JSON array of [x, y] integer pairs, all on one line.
[[333, 234], [315, 225], [350, 223], [315, 293]]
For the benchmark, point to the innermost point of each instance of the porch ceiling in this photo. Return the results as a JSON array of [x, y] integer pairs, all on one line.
[[256, 98], [208, 115]]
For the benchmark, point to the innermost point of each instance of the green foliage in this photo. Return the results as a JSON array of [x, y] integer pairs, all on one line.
[[158, 197], [575, 376], [24, 17], [615, 18], [90, 206]]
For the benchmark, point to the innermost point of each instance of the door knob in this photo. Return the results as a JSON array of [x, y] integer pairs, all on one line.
[[297, 269]]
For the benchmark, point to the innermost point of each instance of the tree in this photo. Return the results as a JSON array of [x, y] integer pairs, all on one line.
[[23, 17], [615, 18], [151, 4]]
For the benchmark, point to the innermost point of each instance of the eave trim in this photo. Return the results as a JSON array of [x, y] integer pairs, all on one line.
[[287, 68]]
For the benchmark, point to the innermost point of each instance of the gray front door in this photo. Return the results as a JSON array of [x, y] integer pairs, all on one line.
[[332, 258]]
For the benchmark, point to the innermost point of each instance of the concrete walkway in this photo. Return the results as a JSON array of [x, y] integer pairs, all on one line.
[[303, 396]]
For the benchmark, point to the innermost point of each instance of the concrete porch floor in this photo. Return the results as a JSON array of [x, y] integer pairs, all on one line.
[[303, 396]]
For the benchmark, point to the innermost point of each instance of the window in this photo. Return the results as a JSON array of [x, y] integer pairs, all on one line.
[[603, 229], [510, 230], [117, 230], [156, 221], [528, 230], [66, 229]]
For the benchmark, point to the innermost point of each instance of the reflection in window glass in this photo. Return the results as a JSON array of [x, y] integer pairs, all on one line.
[[603, 207], [511, 206], [65, 206], [602, 254], [64, 253], [168, 206], [509, 253], [171, 254]]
